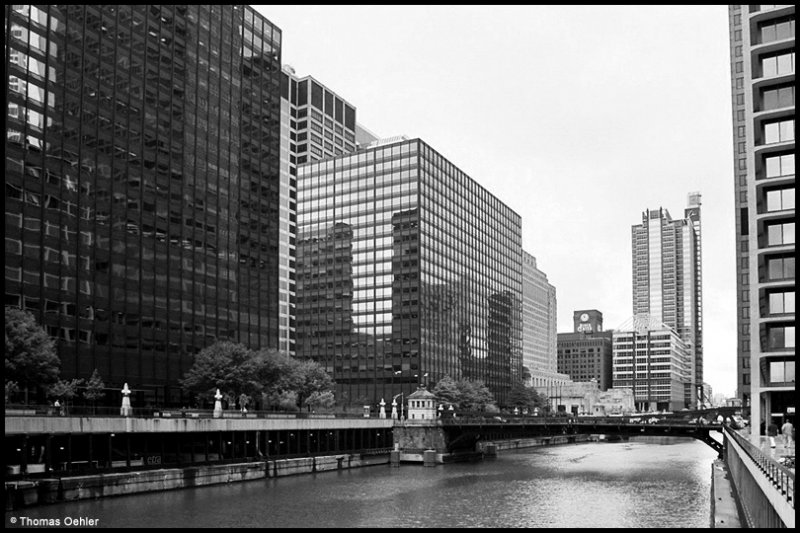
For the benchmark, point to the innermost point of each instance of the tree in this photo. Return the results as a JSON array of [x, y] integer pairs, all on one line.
[[11, 389], [94, 389], [475, 395], [64, 391], [31, 358], [314, 380], [464, 394], [523, 397], [325, 400], [448, 392], [225, 365]]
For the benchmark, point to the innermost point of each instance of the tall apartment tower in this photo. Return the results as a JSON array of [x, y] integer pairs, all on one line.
[[539, 324], [762, 40], [143, 194], [667, 283], [315, 123], [407, 271]]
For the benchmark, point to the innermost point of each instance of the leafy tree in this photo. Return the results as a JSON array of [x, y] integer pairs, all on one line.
[[63, 390], [313, 380], [225, 365], [31, 358], [464, 394], [94, 389], [11, 389], [523, 397], [475, 395], [447, 391], [317, 399]]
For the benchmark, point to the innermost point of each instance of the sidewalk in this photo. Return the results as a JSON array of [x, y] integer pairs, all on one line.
[[780, 451]]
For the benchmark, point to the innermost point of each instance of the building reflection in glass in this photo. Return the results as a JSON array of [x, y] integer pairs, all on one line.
[[436, 273], [142, 184]]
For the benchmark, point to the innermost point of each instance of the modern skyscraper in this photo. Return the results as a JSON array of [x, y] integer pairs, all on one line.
[[762, 40], [142, 184], [667, 280], [539, 325], [407, 271], [585, 354], [315, 123]]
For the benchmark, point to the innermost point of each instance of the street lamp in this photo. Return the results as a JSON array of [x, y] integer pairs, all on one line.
[[401, 394]]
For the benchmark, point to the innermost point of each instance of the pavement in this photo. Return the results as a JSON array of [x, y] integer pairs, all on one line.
[[780, 450]]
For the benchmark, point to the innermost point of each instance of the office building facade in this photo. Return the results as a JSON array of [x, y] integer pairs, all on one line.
[[651, 359], [407, 271], [539, 323], [315, 123], [142, 184], [667, 280], [762, 40], [585, 354]]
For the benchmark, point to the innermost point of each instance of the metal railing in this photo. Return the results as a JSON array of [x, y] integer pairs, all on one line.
[[781, 477]]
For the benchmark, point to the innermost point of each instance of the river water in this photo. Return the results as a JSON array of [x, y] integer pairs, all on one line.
[[621, 484]]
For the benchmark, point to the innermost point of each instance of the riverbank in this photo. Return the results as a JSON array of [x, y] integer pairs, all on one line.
[[21, 494]]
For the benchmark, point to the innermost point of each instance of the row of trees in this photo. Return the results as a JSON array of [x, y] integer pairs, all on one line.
[[265, 378], [269, 378], [475, 396]]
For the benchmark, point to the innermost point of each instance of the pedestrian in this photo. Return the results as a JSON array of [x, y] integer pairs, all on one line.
[[772, 432], [787, 429]]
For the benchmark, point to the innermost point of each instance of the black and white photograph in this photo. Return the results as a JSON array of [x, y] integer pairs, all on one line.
[[399, 266]]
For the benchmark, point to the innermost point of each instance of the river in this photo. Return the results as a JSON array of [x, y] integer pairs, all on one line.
[[617, 484]]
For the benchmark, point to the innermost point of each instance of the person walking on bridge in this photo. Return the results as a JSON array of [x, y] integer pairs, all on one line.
[[786, 429]]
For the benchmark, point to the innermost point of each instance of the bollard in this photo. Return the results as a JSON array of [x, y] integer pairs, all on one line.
[[394, 458]]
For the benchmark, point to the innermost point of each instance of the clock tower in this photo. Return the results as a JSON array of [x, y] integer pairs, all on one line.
[[588, 321]]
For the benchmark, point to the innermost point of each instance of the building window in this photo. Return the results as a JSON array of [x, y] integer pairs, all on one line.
[[781, 303], [780, 337], [780, 234], [776, 30], [781, 372], [780, 199], [777, 97], [777, 65], [780, 268], [779, 165], [779, 131]]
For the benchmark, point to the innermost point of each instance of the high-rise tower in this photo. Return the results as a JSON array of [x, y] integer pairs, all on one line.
[[762, 39], [667, 280], [142, 184]]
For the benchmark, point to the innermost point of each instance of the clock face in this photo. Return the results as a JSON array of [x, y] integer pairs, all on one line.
[[584, 317]]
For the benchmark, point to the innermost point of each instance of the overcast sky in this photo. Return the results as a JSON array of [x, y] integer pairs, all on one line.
[[578, 117]]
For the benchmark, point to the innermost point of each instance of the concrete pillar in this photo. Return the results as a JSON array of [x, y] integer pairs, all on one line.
[[394, 458], [428, 458]]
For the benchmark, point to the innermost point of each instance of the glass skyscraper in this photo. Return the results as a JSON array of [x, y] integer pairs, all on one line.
[[142, 184], [407, 271]]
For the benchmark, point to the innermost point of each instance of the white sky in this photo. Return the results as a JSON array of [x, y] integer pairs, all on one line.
[[577, 117]]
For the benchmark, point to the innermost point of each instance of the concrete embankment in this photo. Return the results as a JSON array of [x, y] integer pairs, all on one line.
[[724, 505], [20, 494]]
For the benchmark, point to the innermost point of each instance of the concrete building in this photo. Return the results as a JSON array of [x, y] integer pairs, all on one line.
[[407, 271], [539, 317], [762, 41], [667, 280], [143, 196], [585, 354], [651, 359]]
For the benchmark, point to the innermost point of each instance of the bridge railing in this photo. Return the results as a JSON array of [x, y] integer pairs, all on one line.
[[779, 476]]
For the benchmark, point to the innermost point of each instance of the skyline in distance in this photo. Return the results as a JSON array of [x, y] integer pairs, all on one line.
[[577, 117]]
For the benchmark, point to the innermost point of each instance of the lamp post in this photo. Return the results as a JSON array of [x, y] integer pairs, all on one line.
[[401, 403]]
